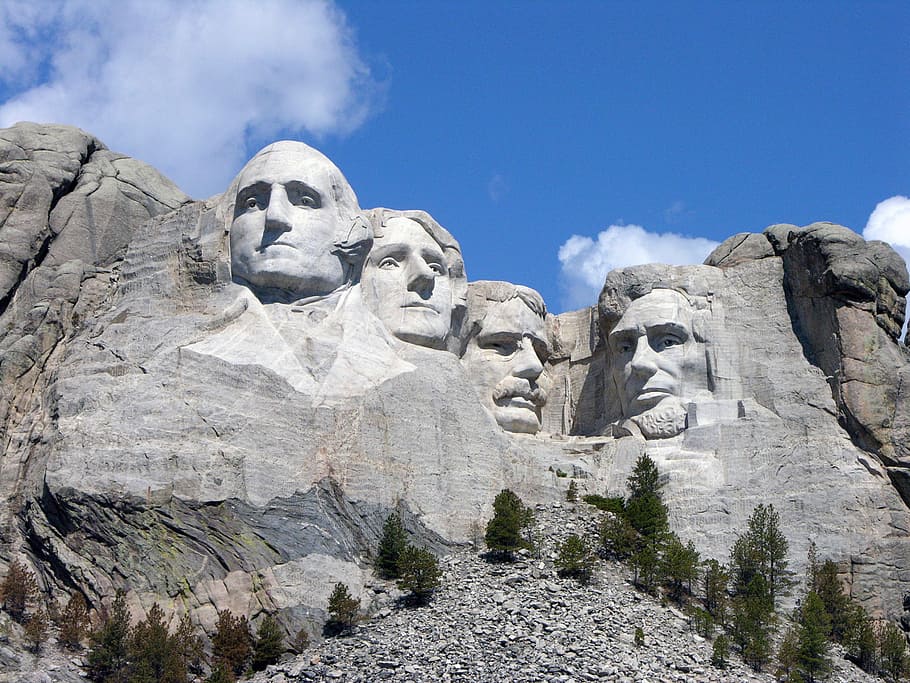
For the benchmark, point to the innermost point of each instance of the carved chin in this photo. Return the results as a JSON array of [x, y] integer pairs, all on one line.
[[665, 420]]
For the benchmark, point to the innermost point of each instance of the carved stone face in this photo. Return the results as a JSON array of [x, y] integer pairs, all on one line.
[[292, 206], [504, 361], [654, 354], [406, 284]]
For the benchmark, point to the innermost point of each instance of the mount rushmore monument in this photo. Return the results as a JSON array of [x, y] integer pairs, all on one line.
[[215, 404]]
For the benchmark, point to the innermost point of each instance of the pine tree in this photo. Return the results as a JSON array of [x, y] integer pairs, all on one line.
[[716, 599], [859, 638], [18, 591], [762, 550], [190, 646], [679, 566], [343, 609], [269, 643], [74, 622], [617, 536], [828, 587], [510, 518], [720, 652], [644, 508], [232, 643], [787, 655], [391, 545], [575, 559], [420, 573], [646, 566], [108, 654], [813, 627], [753, 618], [154, 653], [892, 650], [36, 630]]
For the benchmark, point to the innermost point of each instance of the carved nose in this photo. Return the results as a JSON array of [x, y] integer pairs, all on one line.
[[278, 213], [526, 363], [420, 276], [644, 361]]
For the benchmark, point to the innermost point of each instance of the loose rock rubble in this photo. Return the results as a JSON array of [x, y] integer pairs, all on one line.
[[522, 622]]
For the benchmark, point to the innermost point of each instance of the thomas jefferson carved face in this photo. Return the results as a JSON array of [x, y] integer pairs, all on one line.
[[504, 360], [292, 207], [407, 284], [654, 353]]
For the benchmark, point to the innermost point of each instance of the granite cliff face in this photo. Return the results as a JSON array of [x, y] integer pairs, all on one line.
[[211, 436]]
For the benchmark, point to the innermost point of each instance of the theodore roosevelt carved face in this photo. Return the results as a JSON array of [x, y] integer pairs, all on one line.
[[410, 279], [293, 221], [504, 358], [656, 361]]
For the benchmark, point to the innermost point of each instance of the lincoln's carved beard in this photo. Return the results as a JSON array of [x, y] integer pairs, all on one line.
[[666, 419]]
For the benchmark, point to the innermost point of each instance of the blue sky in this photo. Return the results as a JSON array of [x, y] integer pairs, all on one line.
[[518, 125]]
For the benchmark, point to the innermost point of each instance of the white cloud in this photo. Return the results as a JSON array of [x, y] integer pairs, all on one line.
[[184, 85], [890, 222], [585, 262]]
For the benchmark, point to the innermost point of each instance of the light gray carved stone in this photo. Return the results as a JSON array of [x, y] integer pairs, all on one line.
[[505, 349]]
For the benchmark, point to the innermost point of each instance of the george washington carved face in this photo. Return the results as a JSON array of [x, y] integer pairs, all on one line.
[[292, 211]]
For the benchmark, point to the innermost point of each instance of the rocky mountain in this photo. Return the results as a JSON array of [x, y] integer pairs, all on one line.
[[215, 404]]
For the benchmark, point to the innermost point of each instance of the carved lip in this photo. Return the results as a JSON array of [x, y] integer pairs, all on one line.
[[652, 394], [420, 305], [516, 401], [278, 243]]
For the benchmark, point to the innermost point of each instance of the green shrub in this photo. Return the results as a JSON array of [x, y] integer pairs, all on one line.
[[420, 573], [504, 534], [617, 536], [269, 643], [639, 636], [108, 654], [720, 653], [391, 545], [572, 492], [343, 608], [575, 559], [614, 504]]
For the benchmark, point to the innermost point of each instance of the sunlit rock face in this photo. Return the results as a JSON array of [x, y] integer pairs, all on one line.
[[205, 416]]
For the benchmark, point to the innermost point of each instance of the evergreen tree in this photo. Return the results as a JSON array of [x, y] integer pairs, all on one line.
[[762, 550], [269, 643], [391, 545], [787, 655], [510, 518], [343, 609], [36, 630], [18, 591], [716, 599], [892, 650], [753, 619], [859, 638], [828, 587], [74, 622], [644, 508], [232, 643], [190, 646], [108, 654], [812, 639], [420, 573], [572, 492], [154, 653], [575, 559], [679, 566], [646, 566], [720, 652], [618, 536]]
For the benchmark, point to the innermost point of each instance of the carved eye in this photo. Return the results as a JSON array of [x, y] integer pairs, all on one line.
[[668, 341], [503, 347], [251, 203], [624, 347], [388, 263], [437, 268], [308, 201]]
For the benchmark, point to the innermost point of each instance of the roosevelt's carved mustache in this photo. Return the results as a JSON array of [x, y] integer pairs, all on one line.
[[510, 387]]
